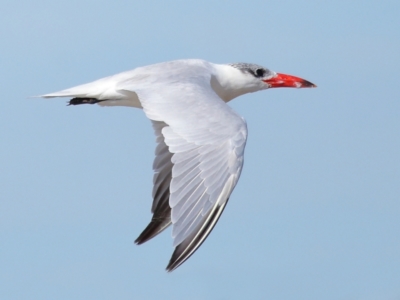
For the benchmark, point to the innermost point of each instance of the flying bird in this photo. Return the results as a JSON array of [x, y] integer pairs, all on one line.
[[200, 139]]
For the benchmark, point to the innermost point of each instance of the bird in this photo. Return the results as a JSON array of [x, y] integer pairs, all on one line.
[[200, 138]]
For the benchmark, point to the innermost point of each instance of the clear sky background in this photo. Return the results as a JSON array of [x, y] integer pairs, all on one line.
[[316, 214]]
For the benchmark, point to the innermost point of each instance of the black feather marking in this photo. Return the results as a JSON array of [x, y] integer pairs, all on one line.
[[161, 219], [77, 101], [161, 211]]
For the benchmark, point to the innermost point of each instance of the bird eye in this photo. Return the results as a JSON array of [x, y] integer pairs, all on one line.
[[260, 72]]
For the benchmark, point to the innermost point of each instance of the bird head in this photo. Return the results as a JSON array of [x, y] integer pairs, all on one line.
[[233, 80], [265, 78]]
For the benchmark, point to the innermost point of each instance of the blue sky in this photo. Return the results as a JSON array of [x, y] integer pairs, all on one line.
[[315, 214]]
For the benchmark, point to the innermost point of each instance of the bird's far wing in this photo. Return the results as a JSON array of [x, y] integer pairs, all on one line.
[[207, 140], [162, 167]]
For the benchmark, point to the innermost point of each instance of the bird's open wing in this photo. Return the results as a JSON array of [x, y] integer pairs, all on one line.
[[206, 139]]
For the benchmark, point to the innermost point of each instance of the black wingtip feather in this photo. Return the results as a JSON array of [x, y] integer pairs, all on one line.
[[161, 219], [188, 247], [155, 227]]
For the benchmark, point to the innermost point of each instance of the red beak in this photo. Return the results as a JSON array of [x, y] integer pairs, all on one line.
[[283, 80]]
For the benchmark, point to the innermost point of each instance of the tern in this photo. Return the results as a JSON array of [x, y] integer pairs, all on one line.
[[200, 139]]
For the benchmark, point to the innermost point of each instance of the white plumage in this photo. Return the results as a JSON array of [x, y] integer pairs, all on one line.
[[200, 139]]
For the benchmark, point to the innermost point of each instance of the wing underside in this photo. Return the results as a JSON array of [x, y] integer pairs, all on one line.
[[199, 157]]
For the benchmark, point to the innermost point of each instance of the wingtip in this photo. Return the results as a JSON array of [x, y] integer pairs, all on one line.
[[143, 237], [188, 247], [155, 227], [169, 268], [175, 261]]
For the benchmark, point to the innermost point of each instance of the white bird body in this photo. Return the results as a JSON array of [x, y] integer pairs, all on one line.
[[200, 139]]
